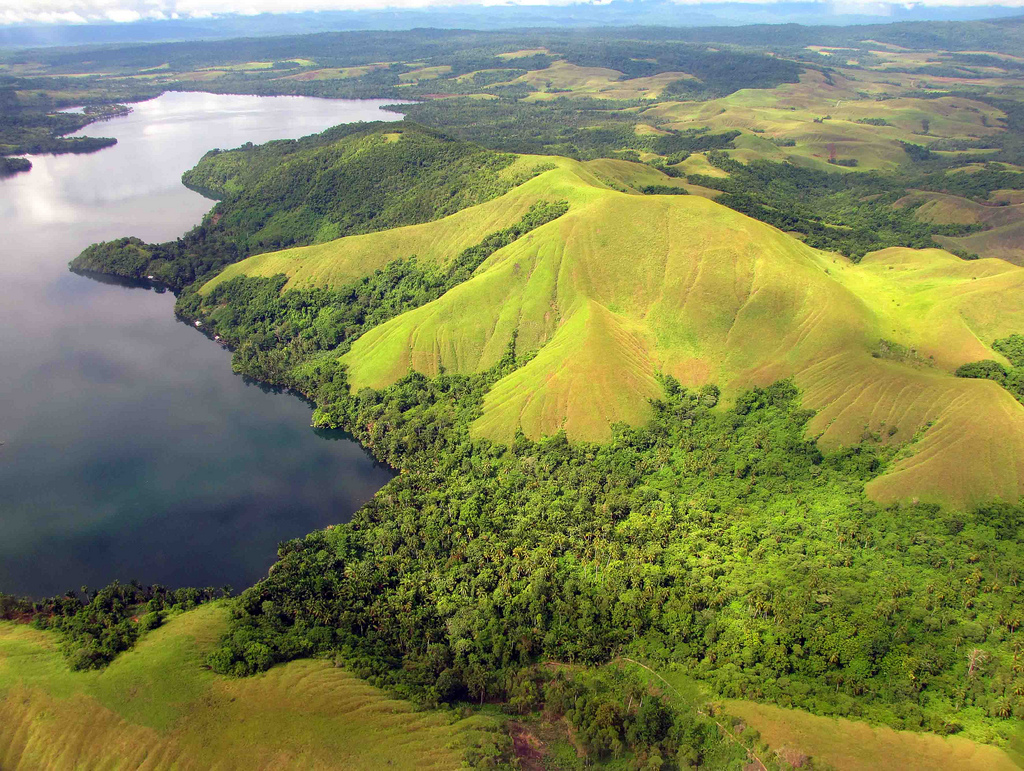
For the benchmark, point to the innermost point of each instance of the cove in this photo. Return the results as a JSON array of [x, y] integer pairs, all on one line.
[[130, 450]]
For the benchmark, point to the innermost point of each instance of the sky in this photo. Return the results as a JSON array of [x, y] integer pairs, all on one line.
[[84, 11]]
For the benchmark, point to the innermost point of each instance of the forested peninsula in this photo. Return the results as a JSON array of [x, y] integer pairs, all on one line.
[[702, 390]]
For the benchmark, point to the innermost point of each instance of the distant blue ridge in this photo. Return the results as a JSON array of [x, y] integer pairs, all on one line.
[[478, 17]]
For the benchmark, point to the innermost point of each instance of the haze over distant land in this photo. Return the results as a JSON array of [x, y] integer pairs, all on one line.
[[32, 23]]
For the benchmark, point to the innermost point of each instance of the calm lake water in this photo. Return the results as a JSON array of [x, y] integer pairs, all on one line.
[[130, 450]]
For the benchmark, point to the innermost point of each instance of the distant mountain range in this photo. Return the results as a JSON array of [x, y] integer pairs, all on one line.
[[479, 17]]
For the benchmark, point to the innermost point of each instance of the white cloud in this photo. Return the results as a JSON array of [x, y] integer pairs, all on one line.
[[123, 15], [11, 16]]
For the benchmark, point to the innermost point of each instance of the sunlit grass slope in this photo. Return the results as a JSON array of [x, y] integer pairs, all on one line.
[[854, 746], [802, 739], [950, 310], [944, 209], [562, 78], [338, 262], [1005, 242], [634, 177], [624, 286], [824, 114], [1003, 236], [158, 707]]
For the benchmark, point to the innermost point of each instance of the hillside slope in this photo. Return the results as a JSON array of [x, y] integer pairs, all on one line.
[[795, 112], [1003, 236], [157, 706], [624, 286], [351, 179], [337, 262]]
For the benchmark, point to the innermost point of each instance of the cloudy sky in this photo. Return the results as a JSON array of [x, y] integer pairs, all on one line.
[[82, 11]]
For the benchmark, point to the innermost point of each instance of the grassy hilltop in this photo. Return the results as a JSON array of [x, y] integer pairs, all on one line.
[[625, 286], [1001, 218]]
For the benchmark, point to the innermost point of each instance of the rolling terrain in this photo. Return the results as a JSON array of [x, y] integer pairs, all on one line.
[[1002, 220], [157, 706], [854, 746], [529, 309], [853, 115], [624, 287], [351, 179]]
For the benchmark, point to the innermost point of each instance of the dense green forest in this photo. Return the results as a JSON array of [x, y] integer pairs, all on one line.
[[31, 131], [1011, 378], [97, 624], [31, 121], [723, 542], [348, 180], [9, 166]]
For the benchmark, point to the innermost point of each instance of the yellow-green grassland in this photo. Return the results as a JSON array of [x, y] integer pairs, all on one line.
[[625, 286], [159, 706]]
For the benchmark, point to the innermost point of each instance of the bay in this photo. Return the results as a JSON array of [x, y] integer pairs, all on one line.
[[130, 449]]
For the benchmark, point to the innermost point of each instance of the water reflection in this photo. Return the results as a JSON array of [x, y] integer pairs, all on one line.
[[124, 281], [130, 449]]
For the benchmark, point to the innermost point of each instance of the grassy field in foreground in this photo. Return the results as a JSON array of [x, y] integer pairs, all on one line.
[[853, 746], [157, 706]]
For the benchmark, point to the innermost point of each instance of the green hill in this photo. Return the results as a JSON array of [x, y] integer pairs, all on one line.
[[625, 286], [354, 178], [335, 263], [1002, 220], [157, 706]]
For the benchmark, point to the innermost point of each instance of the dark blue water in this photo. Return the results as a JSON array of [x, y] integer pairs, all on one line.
[[130, 450]]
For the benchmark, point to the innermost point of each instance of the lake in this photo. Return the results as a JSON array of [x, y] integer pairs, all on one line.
[[130, 449]]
